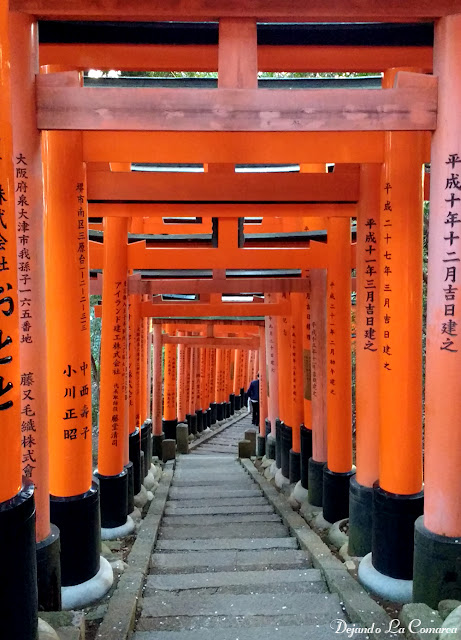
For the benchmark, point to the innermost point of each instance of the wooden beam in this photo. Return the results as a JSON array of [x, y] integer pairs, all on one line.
[[224, 309], [237, 54], [230, 285], [262, 10], [90, 108], [216, 188], [317, 59], [220, 343], [217, 210]]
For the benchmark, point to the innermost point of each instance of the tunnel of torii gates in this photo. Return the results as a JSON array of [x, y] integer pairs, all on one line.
[[260, 281]]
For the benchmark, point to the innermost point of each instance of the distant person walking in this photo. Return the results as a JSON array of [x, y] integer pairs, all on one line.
[[253, 396]]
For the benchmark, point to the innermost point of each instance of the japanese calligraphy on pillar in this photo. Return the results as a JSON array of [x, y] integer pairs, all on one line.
[[331, 302], [448, 328], [385, 284], [82, 253], [118, 356], [76, 392], [370, 283], [307, 350]]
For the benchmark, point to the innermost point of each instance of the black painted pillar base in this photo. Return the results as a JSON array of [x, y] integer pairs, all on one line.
[[315, 481], [227, 410], [287, 443], [78, 521], [157, 445], [146, 431], [18, 587], [130, 486], [336, 494], [188, 416], [242, 397], [214, 412], [392, 540], [436, 571], [295, 467], [270, 447], [169, 428], [134, 445], [113, 496], [306, 453], [199, 416], [237, 402], [207, 415], [49, 571], [220, 412], [232, 403], [260, 446], [360, 518], [193, 424], [278, 444], [267, 424]]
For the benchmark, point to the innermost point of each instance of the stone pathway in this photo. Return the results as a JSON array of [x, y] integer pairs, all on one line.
[[225, 442], [224, 566]]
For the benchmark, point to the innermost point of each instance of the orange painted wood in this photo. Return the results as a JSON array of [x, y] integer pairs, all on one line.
[[179, 309], [69, 367], [400, 345], [181, 380], [212, 285], [264, 11], [143, 370], [262, 370], [133, 362], [212, 376], [307, 357], [205, 57], [157, 380], [112, 433], [318, 278], [284, 362], [216, 188], [442, 444], [274, 110], [199, 341], [339, 368], [169, 381], [11, 461], [272, 365], [31, 264], [368, 327], [237, 54], [297, 375], [222, 146], [271, 214]]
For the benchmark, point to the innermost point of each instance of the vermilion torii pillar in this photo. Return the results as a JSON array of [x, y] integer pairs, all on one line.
[[18, 595], [220, 384], [283, 427], [170, 419], [111, 472], [261, 439], [157, 431], [367, 319], [398, 499], [338, 472], [133, 391], [29, 203], [200, 411], [74, 495], [319, 353], [181, 381], [438, 532], [212, 383], [192, 390], [297, 383], [272, 369]]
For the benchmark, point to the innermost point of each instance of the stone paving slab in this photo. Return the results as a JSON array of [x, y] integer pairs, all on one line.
[[217, 544], [223, 481], [244, 530], [207, 511], [216, 502], [212, 492], [220, 518], [311, 632], [188, 461], [186, 604], [188, 581], [229, 560]]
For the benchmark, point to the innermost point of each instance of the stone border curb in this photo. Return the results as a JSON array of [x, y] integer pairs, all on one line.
[[119, 620], [196, 443], [360, 607]]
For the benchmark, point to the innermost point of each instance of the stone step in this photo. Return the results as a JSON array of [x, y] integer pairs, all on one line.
[[232, 530], [210, 501], [240, 544], [276, 632], [188, 581], [197, 493], [173, 520], [176, 611], [187, 461], [198, 561], [191, 511], [223, 481]]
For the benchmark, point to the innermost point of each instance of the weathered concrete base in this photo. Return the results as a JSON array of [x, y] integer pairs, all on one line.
[[337, 537], [140, 498], [118, 532], [149, 481], [168, 450], [383, 586], [280, 479], [266, 462], [82, 595], [309, 511], [182, 438], [320, 523], [245, 449], [45, 631], [417, 616], [452, 626], [299, 493], [260, 446], [250, 435]]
